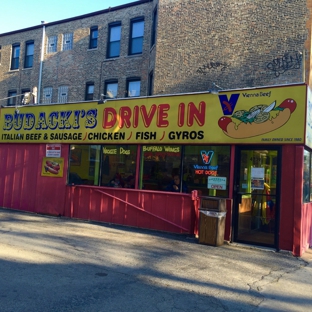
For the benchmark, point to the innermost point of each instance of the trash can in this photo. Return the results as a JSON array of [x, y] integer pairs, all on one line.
[[212, 213], [211, 227]]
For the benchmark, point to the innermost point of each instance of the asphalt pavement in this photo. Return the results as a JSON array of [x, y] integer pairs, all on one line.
[[60, 264]]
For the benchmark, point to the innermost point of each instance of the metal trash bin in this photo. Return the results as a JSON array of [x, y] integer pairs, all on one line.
[[212, 213], [211, 227]]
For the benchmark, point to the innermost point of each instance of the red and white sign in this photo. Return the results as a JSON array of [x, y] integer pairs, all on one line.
[[53, 150]]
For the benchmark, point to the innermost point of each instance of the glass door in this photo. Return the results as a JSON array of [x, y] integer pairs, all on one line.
[[255, 204]]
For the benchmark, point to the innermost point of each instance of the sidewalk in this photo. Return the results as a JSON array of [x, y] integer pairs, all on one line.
[[59, 264], [296, 284]]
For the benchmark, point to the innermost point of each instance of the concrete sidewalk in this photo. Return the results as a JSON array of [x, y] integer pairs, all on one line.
[[59, 264]]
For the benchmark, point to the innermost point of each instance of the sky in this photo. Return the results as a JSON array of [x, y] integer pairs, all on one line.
[[18, 14]]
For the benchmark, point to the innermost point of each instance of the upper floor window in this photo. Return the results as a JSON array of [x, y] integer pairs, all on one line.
[[93, 37], [154, 27], [15, 56], [52, 44], [12, 95], [0, 54], [133, 87], [136, 36], [111, 89], [89, 91], [67, 41], [62, 94], [114, 35], [29, 54], [47, 95]]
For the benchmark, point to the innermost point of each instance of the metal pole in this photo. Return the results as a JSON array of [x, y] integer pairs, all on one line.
[[37, 100]]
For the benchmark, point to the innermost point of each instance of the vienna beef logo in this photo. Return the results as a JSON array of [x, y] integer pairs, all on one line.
[[206, 169], [228, 105], [206, 156]]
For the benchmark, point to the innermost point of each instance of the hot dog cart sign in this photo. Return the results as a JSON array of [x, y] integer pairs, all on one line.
[[52, 167], [216, 183]]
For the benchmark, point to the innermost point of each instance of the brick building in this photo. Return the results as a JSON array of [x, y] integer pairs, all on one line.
[[159, 47]]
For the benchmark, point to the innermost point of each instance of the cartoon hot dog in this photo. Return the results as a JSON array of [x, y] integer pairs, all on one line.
[[260, 119]]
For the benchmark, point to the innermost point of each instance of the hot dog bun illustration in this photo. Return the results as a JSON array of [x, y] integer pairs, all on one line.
[[260, 119], [52, 167]]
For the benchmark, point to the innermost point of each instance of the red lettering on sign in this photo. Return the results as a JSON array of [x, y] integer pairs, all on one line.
[[216, 186]]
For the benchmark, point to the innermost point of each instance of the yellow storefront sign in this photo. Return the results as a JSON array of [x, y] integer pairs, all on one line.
[[265, 115]]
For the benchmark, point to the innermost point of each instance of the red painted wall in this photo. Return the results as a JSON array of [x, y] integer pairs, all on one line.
[[161, 211], [295, 216], [287, 198], [22, 187]]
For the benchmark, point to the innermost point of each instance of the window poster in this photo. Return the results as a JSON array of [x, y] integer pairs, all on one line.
[[52, 167], [257, 178]]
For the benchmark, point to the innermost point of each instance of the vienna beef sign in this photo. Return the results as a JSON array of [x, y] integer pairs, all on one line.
[[123, 122]]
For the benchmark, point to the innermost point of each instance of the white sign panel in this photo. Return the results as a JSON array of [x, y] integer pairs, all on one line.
[[53, 150], [216, 183], [257, 178], [257, 173]]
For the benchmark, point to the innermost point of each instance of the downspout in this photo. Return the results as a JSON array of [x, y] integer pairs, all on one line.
[[41, 64]]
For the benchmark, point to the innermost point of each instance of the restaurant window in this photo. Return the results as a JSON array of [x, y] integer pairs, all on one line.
[[84, 164], [29, 54], [307, 177], [89, 91], [107, 165], [136, 36], [118, 165], [201, 163], [160, 164], [110, 89], [15, 56], [93, 37], [114, 35], [133, 87]]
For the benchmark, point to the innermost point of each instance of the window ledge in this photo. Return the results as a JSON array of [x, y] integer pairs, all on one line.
[[27, 68], [134, 55], [13, 70], [111, 59], [93, 49]]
